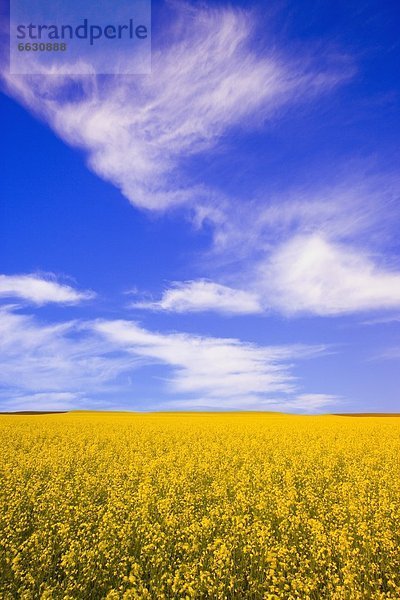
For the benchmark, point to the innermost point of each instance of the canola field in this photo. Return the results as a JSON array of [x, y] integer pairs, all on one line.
[[208, 506]]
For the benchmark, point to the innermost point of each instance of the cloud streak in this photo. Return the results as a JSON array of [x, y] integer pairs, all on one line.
[[56, 358], [202, 295], [208, 366], [98, 363], [39, 290], [208, 78]]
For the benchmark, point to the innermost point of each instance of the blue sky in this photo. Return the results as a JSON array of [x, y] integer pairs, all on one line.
[[220, 234]]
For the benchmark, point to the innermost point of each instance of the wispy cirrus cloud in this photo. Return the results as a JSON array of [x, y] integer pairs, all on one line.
[[58, 357], [206, 365], [202, 295], [361, 206], [98, 363], [214, 371], [391, 353], [208, 77], [304, 403], [383, 320], [320, 251], [48, 401], [39, 289]]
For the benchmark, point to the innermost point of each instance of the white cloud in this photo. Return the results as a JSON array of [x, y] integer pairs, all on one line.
[[313, 402], [49, 401], [202, 295], [311, 274], [97, 364], [322, 250], [53, 358], [225, 369], [391, 353], [387, 319], [362, 207], [304, 403], [39, 290], [207, 78]]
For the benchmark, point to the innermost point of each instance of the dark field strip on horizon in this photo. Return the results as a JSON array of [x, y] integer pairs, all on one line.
[[36, 412], [366, 414]]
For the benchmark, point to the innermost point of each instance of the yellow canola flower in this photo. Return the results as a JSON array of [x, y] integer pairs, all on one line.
[[246, 506]]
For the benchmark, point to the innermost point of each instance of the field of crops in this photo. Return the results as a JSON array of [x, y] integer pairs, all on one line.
[[244, 506]]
